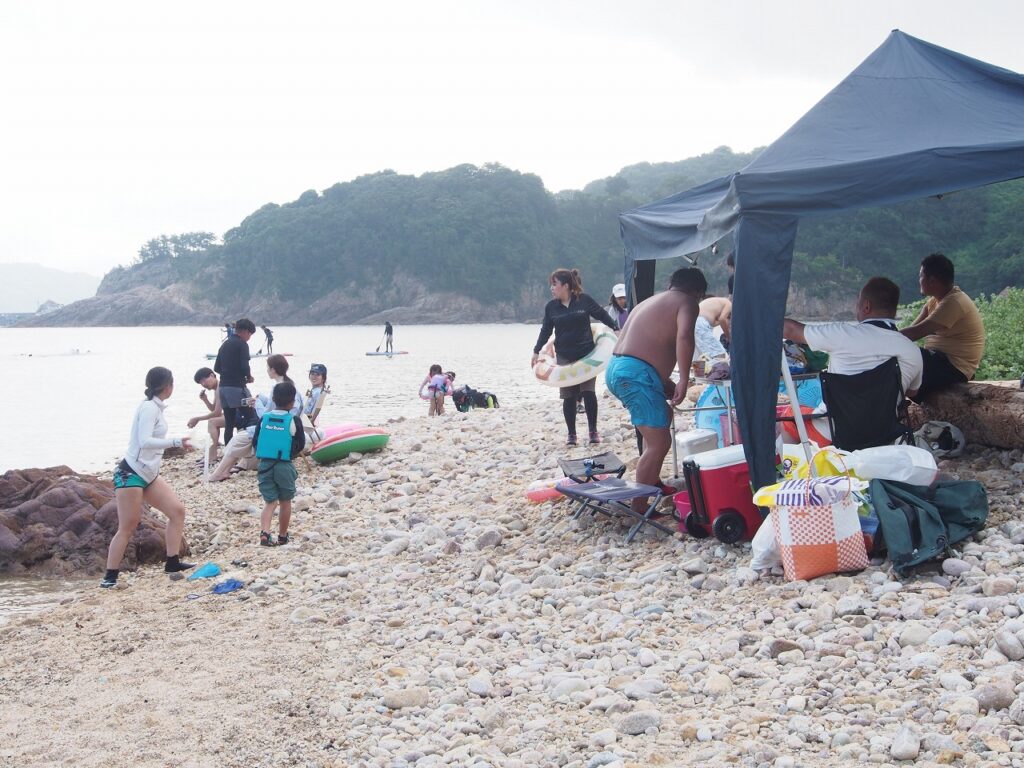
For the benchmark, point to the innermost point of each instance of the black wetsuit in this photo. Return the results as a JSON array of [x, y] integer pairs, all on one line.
[[389, 345], [574, 340], [571, 325], [233, 366], [270, 340]]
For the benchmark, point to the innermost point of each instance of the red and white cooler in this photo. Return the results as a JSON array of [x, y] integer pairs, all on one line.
[[718, 499]]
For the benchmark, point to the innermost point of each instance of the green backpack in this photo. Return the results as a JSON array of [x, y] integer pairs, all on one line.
[[919, 523]]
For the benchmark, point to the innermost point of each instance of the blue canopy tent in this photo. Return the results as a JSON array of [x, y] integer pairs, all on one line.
[[913, 120]]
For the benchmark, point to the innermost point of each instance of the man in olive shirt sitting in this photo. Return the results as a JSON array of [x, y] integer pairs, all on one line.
[[950, 324]]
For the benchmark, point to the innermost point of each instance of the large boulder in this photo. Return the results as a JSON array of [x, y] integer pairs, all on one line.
[[57, 522]]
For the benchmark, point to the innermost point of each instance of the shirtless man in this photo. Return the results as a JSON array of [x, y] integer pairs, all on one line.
[[207, 379], [657, 336], [714, 311]]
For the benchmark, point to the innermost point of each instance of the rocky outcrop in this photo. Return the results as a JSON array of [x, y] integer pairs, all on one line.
[[402, 300], [143, 305], [56, 522], [151, 294], [821, 304]]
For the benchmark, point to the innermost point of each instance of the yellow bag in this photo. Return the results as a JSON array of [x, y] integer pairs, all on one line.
[[828, 462]]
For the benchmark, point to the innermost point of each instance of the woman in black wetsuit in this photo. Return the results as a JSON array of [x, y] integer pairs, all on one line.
[[568, 314]]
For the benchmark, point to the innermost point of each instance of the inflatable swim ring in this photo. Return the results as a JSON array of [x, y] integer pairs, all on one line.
[[540, 491], [338, 447], [552, 374], [338, 429], [425, 389]]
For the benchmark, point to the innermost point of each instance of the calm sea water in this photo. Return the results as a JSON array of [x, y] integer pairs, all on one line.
[[24, 596], [68, 394]]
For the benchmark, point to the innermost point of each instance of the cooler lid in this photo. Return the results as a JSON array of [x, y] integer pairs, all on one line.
[[719, 457], [695, 434]]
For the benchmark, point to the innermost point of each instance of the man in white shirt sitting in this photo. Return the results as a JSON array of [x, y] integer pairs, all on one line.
[[859, 347]]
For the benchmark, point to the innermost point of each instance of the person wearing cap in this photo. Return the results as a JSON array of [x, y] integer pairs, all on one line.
[[317, 383], [617, 305]]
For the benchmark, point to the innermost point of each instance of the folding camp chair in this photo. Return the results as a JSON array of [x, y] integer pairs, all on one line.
[[583, 470], [313, 433], [610, 497], [865, 410]]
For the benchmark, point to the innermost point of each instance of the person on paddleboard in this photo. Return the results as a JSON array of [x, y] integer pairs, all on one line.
[[269, 334], [389, 337]]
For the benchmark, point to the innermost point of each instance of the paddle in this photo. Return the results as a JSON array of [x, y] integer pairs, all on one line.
[[381, 341]]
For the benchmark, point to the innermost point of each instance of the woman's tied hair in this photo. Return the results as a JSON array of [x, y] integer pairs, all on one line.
[[570, 277], [157, 380]]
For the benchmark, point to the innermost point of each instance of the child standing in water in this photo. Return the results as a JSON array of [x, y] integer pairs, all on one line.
[[437, 385], [279, 439]]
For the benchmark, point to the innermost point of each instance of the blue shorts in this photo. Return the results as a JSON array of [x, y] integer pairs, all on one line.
[[640, 389]]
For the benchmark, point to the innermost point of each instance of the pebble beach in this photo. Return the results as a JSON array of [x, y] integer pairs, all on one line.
[[427, 614]]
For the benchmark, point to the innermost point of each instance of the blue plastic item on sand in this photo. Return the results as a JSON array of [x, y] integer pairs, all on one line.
[[205, 571], [228, 585]]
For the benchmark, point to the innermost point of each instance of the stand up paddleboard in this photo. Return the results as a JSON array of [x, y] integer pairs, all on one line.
[[385, 354], [252, 357]]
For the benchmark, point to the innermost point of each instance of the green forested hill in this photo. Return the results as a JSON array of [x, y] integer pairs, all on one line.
[[493, 234]]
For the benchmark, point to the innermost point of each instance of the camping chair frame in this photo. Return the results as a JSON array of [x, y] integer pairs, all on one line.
[[843, 432], [609, 497], [583, 470], [312, 431]]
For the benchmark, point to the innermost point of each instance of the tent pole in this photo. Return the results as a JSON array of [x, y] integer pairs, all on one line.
[[798, 416]]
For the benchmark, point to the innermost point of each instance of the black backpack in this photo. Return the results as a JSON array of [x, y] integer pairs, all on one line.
[[466, 397]]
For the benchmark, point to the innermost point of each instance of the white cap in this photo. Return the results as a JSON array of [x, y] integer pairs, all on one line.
[[619, 291]]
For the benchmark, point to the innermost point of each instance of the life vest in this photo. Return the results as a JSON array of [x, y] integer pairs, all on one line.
[[275, 438]]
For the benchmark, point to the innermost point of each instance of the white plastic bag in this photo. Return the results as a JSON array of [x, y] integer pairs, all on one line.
[[765, 548], [902, 463]]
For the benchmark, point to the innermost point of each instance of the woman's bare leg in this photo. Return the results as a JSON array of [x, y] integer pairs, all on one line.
[[129, 513], [160, 495]]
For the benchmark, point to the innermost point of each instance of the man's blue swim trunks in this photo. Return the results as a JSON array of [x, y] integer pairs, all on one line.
[[639, 387]]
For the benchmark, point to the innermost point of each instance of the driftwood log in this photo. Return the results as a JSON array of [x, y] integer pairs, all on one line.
[[989, 414]]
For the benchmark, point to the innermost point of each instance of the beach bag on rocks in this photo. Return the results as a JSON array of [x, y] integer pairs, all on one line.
[[942, 439], [817, 527], [478, 399], [461, 400], [919, 523]]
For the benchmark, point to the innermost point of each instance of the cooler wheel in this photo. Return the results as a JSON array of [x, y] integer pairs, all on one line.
[[729, 527], [694, 528]]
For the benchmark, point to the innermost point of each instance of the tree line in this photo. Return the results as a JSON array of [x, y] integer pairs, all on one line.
[[494, 234]]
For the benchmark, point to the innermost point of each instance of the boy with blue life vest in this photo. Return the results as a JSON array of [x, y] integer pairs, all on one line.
[[279, 438]]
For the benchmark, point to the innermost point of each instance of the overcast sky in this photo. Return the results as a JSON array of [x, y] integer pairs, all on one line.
[[126, 120]]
